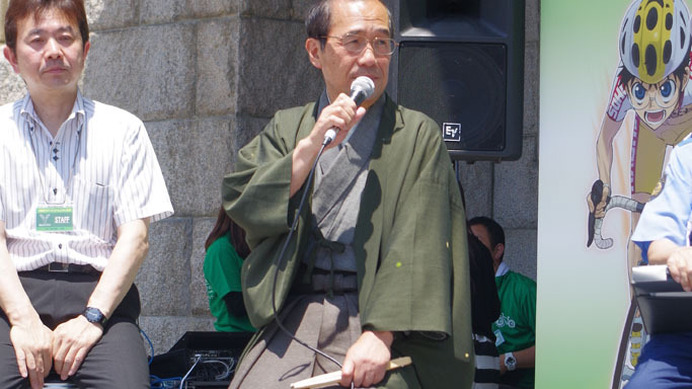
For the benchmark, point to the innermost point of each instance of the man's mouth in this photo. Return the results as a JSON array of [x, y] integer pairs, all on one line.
[[54, 68]]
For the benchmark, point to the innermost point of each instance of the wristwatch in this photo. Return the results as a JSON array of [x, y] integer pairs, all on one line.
[[94, 315], [510, 362]]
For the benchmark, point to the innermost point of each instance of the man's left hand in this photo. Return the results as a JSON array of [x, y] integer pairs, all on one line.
[[72, 341], [367, 359]]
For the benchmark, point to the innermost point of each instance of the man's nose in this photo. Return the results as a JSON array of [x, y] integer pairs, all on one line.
[[53, 49], [368, 56]]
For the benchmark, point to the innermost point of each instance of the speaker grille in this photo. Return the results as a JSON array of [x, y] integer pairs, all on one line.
[[462, 84]]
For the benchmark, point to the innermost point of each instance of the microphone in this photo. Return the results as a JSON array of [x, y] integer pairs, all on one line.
[[361, 89]]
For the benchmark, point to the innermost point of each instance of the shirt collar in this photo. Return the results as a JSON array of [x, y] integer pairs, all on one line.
[[502, 269], [78, 113]]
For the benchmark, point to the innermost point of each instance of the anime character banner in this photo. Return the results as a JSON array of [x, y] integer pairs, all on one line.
[[615, 98]]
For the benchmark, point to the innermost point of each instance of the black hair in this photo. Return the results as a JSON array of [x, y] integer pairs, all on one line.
[[495, 231]]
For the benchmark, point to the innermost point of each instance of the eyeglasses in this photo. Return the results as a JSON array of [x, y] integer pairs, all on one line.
[[355, 44]]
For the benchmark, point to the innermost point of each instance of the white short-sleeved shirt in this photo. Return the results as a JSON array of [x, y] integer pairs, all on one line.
[[667, 215], [101, 163]]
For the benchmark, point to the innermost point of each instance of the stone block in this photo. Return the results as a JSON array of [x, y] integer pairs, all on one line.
[[145, 70], [217, 61], [12, 86], [167, 11], [531, 89], [477, 181], [207, 8], [301, 8], [164, 279], [162, 11], [521, 251], [516, 189], [165, 331], [274, 9], [194, 155], [247, 128], [108, 14], [202, 226], [3, 9], [532, 18], [274, 70]]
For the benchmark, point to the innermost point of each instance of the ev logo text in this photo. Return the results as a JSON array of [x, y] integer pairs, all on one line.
[[451, 132]]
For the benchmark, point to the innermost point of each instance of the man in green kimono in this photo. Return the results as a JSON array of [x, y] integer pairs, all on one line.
[[377, 267]]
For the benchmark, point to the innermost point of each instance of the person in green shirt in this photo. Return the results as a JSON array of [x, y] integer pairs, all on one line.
[[225, 251], [515, 330]]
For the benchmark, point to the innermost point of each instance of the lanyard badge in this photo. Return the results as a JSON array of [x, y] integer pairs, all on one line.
[[54, 218]]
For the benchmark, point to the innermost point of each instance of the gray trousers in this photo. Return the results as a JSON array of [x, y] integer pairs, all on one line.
[[330, 324], [276, 361], [118, 360]]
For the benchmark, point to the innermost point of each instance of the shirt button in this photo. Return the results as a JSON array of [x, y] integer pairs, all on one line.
[[60, 246]]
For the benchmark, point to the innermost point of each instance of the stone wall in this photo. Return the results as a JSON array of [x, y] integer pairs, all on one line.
[[205, 76]]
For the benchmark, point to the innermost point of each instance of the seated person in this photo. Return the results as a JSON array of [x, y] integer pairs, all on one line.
[[515, 330], [225, 251], [662, 234], [80, 186], [485, 310]]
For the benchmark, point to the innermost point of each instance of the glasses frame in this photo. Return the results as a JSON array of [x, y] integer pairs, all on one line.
[[394, 44]]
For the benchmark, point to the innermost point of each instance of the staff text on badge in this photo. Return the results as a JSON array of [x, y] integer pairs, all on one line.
[[54, 219]]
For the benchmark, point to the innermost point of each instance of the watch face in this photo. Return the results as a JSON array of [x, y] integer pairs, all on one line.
[[510, 362], [93, 315]]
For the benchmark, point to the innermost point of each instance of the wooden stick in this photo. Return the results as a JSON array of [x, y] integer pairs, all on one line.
[[329, 379]]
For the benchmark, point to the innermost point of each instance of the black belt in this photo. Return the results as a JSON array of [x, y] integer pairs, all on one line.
[[57, 267], [323, 282]]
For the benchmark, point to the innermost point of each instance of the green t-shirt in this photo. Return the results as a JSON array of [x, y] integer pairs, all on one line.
[[222, 271], [515, 329]]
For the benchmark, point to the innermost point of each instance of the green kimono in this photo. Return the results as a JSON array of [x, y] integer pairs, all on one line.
[[410, 239]]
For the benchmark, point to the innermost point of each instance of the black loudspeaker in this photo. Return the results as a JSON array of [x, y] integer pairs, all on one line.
[[462, 63]]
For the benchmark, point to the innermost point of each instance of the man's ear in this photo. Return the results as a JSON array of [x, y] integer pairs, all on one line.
[[498, 252], [87, 46], [314, 48], [11, 58]]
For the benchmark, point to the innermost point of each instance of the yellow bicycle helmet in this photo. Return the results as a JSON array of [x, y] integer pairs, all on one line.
[[655, 38]]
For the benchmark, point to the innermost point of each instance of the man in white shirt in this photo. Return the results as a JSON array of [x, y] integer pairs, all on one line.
[[79, 185], [663, 236]]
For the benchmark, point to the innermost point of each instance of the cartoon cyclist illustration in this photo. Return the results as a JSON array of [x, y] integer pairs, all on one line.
[[653, 81]]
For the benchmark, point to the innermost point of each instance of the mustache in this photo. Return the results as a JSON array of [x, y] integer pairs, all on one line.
[[55, 66]]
